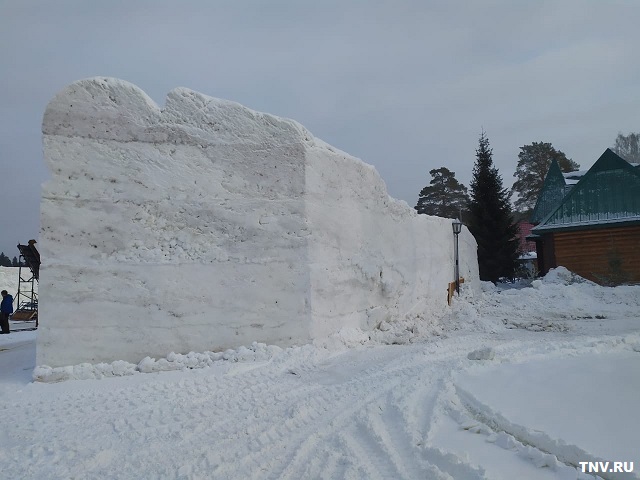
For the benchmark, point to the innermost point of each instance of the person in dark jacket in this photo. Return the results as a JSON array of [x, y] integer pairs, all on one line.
[[6, 309]]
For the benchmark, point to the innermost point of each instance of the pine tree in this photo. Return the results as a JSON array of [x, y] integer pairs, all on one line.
[[444, 197], [14, 262], [490, 218], [533, 164]]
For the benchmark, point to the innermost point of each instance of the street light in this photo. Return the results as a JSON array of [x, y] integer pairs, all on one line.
[[457, 228]]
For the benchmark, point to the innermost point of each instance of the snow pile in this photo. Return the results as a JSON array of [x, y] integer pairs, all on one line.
[[172, 362], [205, 225], [561, 276], [557, 302]]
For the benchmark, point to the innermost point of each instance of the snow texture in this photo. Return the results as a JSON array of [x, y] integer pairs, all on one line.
[[9, 279], [583, 385], [486, 353], [205, 225], [354, 408]]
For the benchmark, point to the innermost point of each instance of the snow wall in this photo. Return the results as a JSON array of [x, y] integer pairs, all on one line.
[[205, 225]]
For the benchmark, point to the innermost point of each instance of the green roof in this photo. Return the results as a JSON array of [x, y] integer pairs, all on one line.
[[608, 193], [551, 195]]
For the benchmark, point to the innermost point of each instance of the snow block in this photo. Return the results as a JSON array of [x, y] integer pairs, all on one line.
[[205, 225], [486, 353]]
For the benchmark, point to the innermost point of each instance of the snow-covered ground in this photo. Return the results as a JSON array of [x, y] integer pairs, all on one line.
[[557, 384]]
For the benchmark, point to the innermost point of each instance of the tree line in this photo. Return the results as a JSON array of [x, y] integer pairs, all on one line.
[[486, 207], [6, 262]]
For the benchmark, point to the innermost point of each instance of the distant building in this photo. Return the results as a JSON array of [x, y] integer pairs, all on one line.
[[527, 251], [589, 222], [525, 245]]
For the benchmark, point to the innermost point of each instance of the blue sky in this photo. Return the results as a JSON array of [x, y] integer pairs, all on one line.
[[406, 86]]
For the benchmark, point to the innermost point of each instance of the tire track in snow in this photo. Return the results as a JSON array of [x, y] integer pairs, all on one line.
[[321, 420], [354, 425], [372, 428], [392, 427], [340, 406]]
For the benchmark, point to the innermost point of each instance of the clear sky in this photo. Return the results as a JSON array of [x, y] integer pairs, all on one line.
[[404, 85]]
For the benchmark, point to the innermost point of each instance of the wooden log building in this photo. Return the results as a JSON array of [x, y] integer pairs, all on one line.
[[589, 222]]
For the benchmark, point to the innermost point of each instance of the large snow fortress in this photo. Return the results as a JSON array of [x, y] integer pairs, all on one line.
[[205, 225]]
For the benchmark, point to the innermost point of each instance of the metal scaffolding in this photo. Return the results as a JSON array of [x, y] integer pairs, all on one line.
[[27, 297]]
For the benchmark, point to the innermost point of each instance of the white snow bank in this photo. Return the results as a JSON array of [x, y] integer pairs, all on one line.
[[173, 361], [562, 276], [205, 225], [557, 302]]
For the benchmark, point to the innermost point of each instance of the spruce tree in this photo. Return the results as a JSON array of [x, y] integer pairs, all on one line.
[[4, 260], [491, 219]]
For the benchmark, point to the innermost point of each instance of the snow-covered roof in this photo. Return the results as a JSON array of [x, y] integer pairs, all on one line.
[[575, 175]]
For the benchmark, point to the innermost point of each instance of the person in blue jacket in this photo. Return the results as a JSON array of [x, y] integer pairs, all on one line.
[[6, 309]]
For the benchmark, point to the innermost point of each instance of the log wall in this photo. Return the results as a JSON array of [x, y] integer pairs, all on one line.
[[608, 256]]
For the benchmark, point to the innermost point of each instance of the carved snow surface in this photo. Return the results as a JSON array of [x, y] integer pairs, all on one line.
[[205, 225]]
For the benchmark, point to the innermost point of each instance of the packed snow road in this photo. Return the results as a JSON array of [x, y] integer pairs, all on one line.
[[362, 410]]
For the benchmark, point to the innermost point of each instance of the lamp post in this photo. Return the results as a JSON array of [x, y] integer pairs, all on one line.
[[457, 228]]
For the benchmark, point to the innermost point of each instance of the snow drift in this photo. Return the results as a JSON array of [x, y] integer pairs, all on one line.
[[206, 225]]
